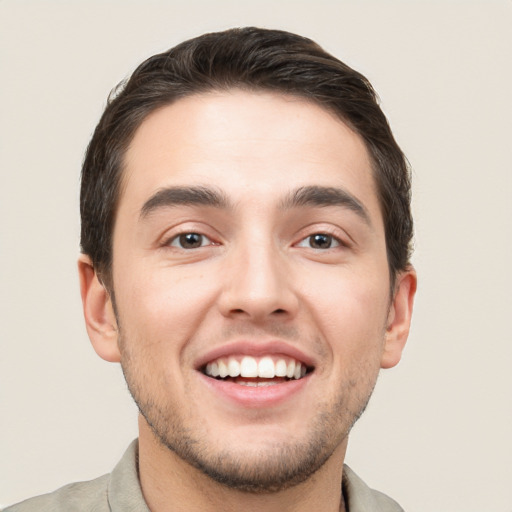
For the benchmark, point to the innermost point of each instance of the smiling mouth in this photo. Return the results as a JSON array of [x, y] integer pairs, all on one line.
[[256, 371]]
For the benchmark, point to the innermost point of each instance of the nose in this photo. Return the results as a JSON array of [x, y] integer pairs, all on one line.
[[258, 285]]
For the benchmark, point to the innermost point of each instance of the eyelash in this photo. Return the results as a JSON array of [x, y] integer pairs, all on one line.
[[331, 238], [179, 239]]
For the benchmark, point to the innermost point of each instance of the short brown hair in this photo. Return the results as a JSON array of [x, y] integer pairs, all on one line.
[[251, 59]]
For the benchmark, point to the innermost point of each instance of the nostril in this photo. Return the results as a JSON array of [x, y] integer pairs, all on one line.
[[279, 311]]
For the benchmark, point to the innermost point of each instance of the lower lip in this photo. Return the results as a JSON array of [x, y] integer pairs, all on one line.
[[255, 396]]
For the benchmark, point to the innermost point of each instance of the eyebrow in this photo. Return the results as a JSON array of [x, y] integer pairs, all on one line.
[[206, 196], [190, 196], [326, 196]]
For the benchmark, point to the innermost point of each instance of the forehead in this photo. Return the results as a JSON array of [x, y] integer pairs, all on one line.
[[252, 145]]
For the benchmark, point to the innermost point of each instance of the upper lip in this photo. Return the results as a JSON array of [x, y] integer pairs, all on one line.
[[255, 349]]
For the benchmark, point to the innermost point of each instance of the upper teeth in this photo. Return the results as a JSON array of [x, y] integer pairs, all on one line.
[[266, 367]]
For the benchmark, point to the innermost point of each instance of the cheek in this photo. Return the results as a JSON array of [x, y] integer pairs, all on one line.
[[163, 306], [351, 312]]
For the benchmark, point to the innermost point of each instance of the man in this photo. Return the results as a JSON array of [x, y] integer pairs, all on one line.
[[246, 236]]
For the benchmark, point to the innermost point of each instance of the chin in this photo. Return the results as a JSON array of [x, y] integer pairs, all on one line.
[[257, 467], [270, 469]]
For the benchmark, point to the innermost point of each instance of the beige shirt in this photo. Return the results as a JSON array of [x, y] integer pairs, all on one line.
[[120, 491]]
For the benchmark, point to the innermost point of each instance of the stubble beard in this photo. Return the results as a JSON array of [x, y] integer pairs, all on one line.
[[276, 468]]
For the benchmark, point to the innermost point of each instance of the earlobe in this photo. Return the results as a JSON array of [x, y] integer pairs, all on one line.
[[399, 318], [99, 314]]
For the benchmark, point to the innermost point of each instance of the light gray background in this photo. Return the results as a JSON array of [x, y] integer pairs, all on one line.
[[436, 435]]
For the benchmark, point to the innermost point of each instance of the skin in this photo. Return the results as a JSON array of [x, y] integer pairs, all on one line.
[[255, 280]]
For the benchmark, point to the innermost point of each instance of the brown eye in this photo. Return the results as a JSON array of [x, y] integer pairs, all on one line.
[[319, 241], [190, 241]]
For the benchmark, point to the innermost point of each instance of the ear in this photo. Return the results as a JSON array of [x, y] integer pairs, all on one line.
[[399, 318], [99, 314]]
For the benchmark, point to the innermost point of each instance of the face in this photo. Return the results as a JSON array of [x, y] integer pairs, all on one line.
[[251, 284]]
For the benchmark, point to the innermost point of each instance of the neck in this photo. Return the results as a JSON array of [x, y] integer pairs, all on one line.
[[169, 483]]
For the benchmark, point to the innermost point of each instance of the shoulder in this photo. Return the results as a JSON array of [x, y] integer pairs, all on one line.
[[118, 491], [361, 498], [91, 495]]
